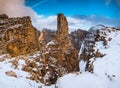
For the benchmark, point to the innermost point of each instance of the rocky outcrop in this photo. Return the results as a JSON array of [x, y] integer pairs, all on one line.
[[11, 73], [62, 32], [3, 16], [77, 37], [57, 58], [17, 36], [47, 35], [89, 52]]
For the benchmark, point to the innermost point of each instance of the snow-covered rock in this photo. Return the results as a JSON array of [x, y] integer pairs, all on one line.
[[97, 27], [106, 69]]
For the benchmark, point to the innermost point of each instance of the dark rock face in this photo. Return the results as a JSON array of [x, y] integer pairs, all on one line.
[[47, 35], [88, 51], [77, 37], [3, 16], [17, 36]]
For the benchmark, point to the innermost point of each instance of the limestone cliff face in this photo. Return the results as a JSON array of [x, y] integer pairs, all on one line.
[[17, 36], [59, 57]]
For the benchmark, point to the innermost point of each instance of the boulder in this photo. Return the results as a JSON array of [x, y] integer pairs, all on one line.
[[11, 73]]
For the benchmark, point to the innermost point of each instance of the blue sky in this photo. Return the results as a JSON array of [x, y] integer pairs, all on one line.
[[84, 13], [105, 8]]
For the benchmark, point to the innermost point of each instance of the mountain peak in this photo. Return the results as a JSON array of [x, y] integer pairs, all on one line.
[[97, 27]]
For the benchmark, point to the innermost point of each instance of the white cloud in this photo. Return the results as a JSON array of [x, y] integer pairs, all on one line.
[[17, 8], [39, 3], [45, 22], [50, 22], [78, 24]]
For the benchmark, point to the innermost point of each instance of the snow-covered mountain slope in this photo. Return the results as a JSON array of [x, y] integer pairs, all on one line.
[[12, 75], [106, 69], [110, 63], [98, 27], [18, 80]]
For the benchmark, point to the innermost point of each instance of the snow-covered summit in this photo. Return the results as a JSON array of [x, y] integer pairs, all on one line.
[[97, 27]]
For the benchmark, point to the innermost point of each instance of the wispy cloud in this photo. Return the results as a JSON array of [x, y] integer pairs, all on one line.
[[39, 3], [41, 22], [75, 24], [99, 20], [107, 2]]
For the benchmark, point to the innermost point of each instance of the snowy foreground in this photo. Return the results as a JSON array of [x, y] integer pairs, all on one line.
[[106, 71]]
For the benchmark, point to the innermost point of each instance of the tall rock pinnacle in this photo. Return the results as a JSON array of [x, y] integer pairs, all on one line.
[[62, 31], [59, 56], [62, 25]]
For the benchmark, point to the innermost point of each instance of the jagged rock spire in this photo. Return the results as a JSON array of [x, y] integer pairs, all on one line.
[[62, 27], [62, 31]]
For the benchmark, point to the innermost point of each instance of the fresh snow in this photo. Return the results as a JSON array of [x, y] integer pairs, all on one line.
[[110, 63], [82, 63], [97, 27], [82, 66], [84, 80], [16, 26], [81, 49], [50, 43], [14, 82], [106, 70]]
